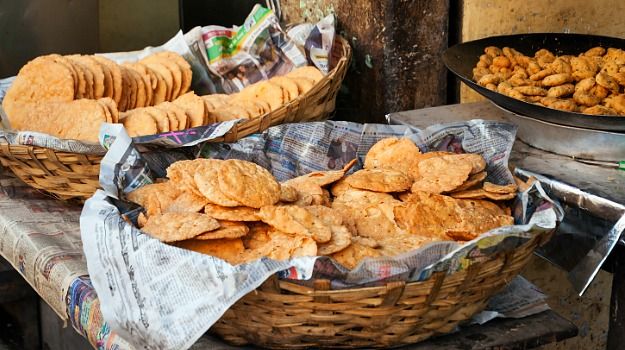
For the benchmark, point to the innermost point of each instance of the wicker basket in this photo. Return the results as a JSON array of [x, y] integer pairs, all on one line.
[[68, 175], [62, 175], [285, 315]]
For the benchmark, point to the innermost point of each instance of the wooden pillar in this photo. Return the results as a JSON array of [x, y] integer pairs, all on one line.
[[397, 47]]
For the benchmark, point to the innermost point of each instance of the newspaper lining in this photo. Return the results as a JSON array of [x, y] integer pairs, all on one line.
[[519, 299], [316, 41], [162, 297], [41, 239]]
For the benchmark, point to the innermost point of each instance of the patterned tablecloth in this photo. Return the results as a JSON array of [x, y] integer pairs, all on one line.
[[40, 237]]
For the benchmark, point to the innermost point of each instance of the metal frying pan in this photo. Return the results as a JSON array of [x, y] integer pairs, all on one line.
[[461, 58]]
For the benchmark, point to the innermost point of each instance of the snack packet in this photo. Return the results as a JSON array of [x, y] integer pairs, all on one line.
[[316, 41], [257, 50]]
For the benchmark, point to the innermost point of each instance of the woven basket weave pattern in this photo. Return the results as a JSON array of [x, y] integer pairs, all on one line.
[[285, 315], [75, 176], [60, 174]]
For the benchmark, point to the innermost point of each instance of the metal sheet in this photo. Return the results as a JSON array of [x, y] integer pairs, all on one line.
[[461, 58], [569, 141], [586, 263]]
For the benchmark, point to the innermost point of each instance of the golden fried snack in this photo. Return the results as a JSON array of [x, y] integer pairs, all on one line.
[[617, 103], [543, 52], [533, 67], [557, 79], [485, 61], [519, 79], [565, 105], [583, 67], [533, 99], [493, 51], [531, 90], [586, 99], [489, 79], [599, 110], [567, 82], [600, 91], [561, 91], [619, 76], [615, 55], [582, 74], [479, 72], [507, 89], [595, 51], [607, 82], [548, 100], [540, 75], [510, 54], [545, 60], [559, 65], [501, 62], [585, 85], [610, 67]]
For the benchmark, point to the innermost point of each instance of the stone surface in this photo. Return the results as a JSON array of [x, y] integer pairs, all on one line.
[[590, 313]]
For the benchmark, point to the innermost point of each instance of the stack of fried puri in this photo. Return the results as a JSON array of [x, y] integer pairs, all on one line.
[[252, 102], [400, 201], [76, 120], [591, 83], [71, 96], [263, 97], [186, 111], [45, 85]]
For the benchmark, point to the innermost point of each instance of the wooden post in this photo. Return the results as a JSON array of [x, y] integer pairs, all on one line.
[[397, 52]]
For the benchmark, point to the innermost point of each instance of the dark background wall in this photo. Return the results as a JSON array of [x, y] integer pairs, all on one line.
[[29, 28], [224, 13]]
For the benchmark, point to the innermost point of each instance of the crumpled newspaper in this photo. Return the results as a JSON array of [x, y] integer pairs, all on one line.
[[258, 50]]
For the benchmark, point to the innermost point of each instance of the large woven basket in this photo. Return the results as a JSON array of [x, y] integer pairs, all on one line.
[[285, 315], [75, 176]]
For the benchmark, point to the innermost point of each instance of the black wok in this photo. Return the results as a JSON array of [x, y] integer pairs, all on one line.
[[460, 60]]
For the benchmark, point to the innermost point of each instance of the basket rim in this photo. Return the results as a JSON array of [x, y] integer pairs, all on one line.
[[394, 314], [534, 242]]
